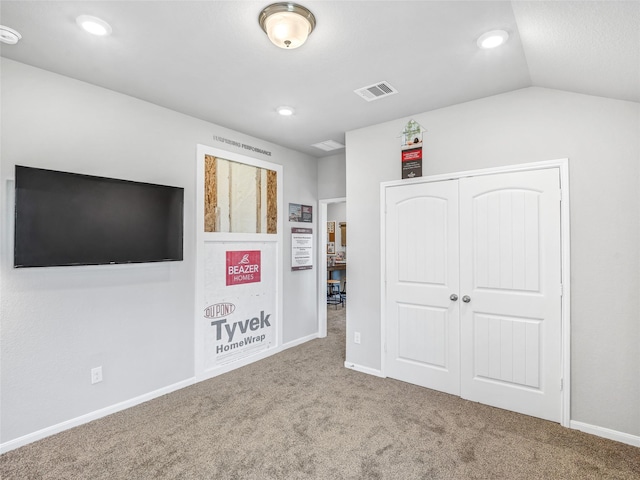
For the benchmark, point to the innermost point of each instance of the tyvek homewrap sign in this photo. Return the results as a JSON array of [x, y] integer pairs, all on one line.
[[240, 301]]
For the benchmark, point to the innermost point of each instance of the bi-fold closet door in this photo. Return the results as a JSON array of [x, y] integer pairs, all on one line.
[[473, 288]]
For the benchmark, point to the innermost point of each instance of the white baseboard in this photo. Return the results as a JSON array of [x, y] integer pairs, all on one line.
[[300, 341], [75, 422], [249, 359], [610, 434], [615, 435], [606, 433], [103, 412], [236, 363], [367, 370]]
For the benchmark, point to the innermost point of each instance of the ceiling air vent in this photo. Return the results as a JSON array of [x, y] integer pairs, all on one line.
[[376, 91], [328, 145]]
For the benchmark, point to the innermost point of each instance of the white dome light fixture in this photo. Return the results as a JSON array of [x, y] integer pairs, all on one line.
[[94, 25], [287, 24], [285, 111], [9, 35], [493, 39]]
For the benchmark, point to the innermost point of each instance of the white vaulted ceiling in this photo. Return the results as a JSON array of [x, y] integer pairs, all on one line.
[[211, 60]]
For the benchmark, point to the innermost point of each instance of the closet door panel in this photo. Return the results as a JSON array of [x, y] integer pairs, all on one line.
[[422, 272], [473, 293], [510, 272]]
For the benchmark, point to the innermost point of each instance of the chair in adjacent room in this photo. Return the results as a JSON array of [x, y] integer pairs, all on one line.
[[333, 292]]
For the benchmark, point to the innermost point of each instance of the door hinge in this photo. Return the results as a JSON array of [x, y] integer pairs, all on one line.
[[561, 384]]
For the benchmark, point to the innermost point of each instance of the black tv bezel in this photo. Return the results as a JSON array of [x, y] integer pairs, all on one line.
[[101, 179]]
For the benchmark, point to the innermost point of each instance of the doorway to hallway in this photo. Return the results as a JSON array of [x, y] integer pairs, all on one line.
[[328, 254]]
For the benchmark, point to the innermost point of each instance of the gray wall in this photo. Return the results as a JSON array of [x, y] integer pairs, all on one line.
[[136, 321], [600, 137], [332, 180]]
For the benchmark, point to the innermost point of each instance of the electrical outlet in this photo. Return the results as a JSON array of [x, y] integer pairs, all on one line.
[[356, 337], [96, 375]]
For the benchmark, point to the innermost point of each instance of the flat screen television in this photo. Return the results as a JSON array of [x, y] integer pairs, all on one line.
[[64, 218]]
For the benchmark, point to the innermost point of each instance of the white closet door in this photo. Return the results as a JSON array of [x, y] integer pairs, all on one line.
[[422, 273], [510, 274]]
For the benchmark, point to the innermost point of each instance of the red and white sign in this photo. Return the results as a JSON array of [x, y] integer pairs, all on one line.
[[243, 267], [412, 162], [412, 154]]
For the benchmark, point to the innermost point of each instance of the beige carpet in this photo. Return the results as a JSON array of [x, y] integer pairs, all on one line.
[[301, 414]]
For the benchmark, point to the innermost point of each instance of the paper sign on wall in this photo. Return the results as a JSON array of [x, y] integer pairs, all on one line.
[[301, 248]]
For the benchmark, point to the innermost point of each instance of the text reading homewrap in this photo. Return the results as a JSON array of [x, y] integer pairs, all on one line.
[[250, 324]]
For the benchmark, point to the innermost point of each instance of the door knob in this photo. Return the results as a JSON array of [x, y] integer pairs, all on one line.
[[453, 297], [466, 299]]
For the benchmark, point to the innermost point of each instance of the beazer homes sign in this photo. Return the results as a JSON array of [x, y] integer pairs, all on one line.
[[243, 267]]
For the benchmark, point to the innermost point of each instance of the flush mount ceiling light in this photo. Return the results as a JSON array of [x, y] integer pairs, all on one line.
[[285, 111], [287, 24], [493, 39], [9, 35], [94, 25]]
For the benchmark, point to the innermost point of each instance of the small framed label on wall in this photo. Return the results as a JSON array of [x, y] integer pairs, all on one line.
[[301, 248]]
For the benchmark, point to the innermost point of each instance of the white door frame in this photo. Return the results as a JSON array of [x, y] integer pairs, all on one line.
[[563, 167], [201, 372], [322, 263]]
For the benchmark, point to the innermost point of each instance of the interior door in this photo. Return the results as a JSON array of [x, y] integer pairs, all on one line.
[[422, 342], [510, 284]]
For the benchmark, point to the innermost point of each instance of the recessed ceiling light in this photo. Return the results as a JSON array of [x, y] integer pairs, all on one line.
[[94, 25], [493, 39], [285, 111], [9, 35]]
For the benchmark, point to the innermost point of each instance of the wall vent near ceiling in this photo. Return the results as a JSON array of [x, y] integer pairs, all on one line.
[[376, 91]]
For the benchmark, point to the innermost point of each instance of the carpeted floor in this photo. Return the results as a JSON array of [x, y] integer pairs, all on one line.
[[302, 415]]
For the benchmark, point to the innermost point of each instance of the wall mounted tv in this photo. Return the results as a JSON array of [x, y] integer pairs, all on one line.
[[66, 218]]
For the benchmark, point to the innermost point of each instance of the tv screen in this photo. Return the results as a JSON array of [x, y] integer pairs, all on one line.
[[66, 218]]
